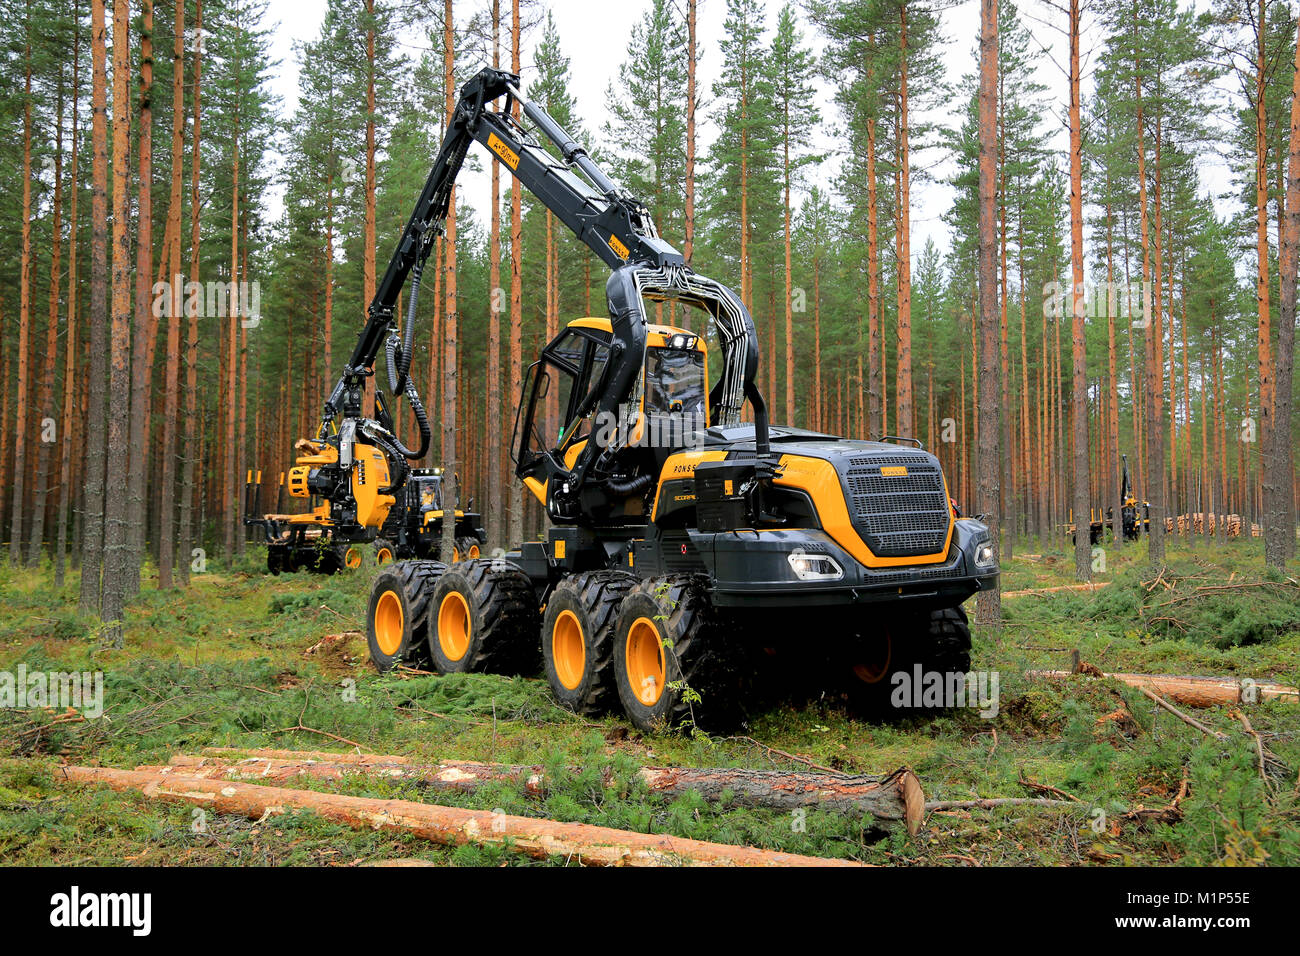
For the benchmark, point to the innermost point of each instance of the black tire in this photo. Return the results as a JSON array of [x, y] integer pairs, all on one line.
[[948, 650], [578, 639], [484, 617], [397, 620], [938, 641], [324, 559], [468, 548], [385, 552], [277, 558], [683, 656], [351, 557]]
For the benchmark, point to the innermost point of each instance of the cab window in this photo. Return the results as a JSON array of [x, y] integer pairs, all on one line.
[[675, 382]]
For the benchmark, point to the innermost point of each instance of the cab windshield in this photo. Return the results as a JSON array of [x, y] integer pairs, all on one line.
[[675, 381]]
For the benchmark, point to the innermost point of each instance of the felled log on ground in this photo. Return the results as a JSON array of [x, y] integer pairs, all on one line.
[[463, 775], [583, 843], [333, 756], [1089, 586], [1193, 691], [894, 798]]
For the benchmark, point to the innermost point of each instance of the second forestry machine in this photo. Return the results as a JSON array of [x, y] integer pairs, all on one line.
[[684, 546]]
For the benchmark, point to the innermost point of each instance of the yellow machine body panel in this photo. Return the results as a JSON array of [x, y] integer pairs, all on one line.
[[682, 465], [819, 480], [538, 488], [430, 516], [369, 475]]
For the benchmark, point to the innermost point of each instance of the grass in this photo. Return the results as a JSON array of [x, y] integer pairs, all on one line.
[[225, 664]]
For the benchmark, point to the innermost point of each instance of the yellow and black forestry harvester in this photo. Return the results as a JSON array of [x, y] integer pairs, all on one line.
[[1130, 525], [410, 526], [681, 541]]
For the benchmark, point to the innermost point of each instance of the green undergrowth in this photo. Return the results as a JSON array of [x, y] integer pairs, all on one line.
[[238, 660]]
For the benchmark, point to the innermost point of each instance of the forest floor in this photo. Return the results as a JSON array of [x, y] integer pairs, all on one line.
[[227, 664]]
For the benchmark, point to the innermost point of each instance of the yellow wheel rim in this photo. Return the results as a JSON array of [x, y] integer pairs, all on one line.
[[383, 556], [389, 622], [473, 552], [568, 649], [455, 555], [878, 654], [453, 626], [353, 558], [645, 661]]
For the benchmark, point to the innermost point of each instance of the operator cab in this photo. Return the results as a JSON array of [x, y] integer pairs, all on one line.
[[667, 410]]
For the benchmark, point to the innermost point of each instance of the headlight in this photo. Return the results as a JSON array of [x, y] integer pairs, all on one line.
[[814, 567], [984, 556]]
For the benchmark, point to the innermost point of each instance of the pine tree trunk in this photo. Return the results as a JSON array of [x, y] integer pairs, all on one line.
[[1279, 532], [815, 406], [450, 479], [1079, 399], [67, 427], [24, 314], [171, 399], [1113, 483], [145, 325], [231, 463], [1262, 289], [193, 434], [1007, 505], [688, 244], [368, 255], [516, 291], [789, 281], [903, 373], [875, 347], [92, 559], [117, 548], [989, 603], [495, 422], [1152, 479], [45, 403]]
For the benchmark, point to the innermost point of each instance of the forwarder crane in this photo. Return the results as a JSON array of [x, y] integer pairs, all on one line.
[[680, 539]]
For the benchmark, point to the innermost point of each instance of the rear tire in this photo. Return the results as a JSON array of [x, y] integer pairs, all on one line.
[[468, 548], [385, 552], [351, 557], [675, 660], [578, 639], [484, 617], [397, 620]]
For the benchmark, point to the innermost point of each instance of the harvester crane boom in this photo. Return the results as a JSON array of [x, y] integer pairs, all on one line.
[[617, 227]]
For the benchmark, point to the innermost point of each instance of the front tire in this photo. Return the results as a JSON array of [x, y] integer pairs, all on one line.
[[675, 660], [578, 638], [938, 642], [484, 617], [397, 621]]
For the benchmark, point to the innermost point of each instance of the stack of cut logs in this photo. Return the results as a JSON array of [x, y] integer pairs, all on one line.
[[1233, 525]]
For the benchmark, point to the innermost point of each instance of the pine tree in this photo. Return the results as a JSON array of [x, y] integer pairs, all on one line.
[[648, 108], [792, 92]]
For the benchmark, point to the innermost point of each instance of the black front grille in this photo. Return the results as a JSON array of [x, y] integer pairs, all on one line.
[[898, 516]]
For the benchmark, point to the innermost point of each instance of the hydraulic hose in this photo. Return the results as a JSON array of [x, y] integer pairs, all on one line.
[[399, 356], [422, 420], [635, 486], [399, 367]]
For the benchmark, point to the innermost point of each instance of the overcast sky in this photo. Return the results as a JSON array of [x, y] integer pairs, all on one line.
[[594, 37]]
